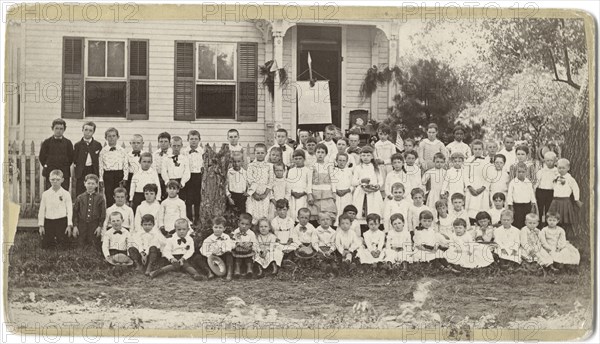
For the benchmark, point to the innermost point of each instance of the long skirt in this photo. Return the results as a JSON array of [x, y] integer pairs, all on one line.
[[568, 255], [565, 206], [365, 256]]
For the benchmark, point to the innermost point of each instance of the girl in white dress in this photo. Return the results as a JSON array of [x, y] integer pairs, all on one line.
[[260, 184], [368, 183], [477, 186], [555, 243], [269, 250], [280, 186], [398, 245], [399, 204], [372, 250], [426, 240], [435, 177], [413, 171], [444, 221], [282, 225], [485, 232], [531, 243]]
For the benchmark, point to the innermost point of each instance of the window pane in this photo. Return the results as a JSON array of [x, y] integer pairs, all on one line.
[[116, 59], [206, 65], [96, 55], [215, 101], [105, 99], [225, 58]]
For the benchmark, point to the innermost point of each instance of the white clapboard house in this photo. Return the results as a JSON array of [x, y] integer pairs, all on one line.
[[175, 75]]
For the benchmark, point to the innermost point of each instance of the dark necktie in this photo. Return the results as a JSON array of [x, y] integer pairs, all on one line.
[[118, 232], [112, 149], [176, 160], [303, 228], [479, 157], [282, 148], [136, 153], [193, 151], [162, 153], [220, 238], [491, 160], [181, 240]]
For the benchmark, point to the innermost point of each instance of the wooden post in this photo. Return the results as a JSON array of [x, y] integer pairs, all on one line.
[[32, 169], [23, 161]]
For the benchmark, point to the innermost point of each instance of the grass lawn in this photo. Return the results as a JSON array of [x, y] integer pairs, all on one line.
[[60, 284]]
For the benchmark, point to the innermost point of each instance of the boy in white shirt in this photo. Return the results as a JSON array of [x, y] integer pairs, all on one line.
[[145, 246], [384, 149], [329, 134], [193, 188], [508, 150], [171, 209], [150, 206], [521, 198], [120, 198], [145, 175], [134, 157], [281, 138], [544, 189], [177, 166], [116, 240], [55, 216], [237, 184], [162, 153], [219, 245]]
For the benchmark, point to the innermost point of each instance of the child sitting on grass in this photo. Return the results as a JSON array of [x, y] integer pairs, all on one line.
[[219, 245], [245, 247], [116, 240], [145, 246], [398, 244], [346, 240], [269, 251], [554, 241], [508, 239], [531, 244], [372, 250], [178, 250], [120, 197]]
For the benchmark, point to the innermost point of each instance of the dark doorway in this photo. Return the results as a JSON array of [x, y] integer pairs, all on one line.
[[324, 44]]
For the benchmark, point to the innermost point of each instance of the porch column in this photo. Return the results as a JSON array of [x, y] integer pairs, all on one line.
[[278, 91], [393, 61]]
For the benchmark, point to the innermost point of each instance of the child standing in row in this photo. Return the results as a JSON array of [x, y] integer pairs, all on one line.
[[162, 153], [120, 206], [521, 198], [321, 199], [55, 217], [384, 149], [89, 213], [428, 147], [342, 183], [237, 184], [193, 188], [56, 153], [177, 166], [435, 177], [86, 153], [458, 146], [114, 165], [367, 181], [150, 206], [477, 185], [171, 209], [260, 183], [566, 198], [299, 183], [145, 175], [544, 188]]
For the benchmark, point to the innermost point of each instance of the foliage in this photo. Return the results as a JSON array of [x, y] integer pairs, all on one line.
[[532, 108], [269, 76], [375, 78], [555, 44]]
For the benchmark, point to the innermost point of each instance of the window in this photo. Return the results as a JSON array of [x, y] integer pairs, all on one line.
[[216, 81], [105, 78]]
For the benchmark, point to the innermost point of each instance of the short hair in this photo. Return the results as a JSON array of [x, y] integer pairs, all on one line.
[[278, 164], [150, 188], [522, 148], [532, 217], [341, 154], [508, 136], [550, 155], [507, 212], [111, 130], [498, 195], [115, 213], [59, 121], [458, 128], [264, 219], [193, 132], [439, 155], [477, 143], [147, 218], [521, 166], [260, 145], [299, 152], [397, 216], [245, 216], [553, 214], [323, 147], [397, 156], [120, 190], [164, 135], [342, 139], [146, 155], [373, 217], [344, 216], [457, 195], [563, 161], [411, 152], [281, 130], [182, 220], [384, 129], [176, 138], [330, 127], [312, 139], [282, 203], [350, 207], [233, 131], [482, 215], [218, 221], [276, 149], [432, 126], [353, 132], [457, 155], [90, 123], [325, 213], [440, 203], [367, 149], [303, 211], [91, 176], [501, 156], [137, 136], [56, 173], [409, 140], [173, 184], [416, 191], [426, 215], [304, 130], [397, 186], [459, 222]]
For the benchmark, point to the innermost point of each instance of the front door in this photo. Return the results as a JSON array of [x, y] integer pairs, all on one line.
[[324, 44]]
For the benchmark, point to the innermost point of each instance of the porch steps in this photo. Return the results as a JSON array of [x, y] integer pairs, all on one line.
[[27, 224]]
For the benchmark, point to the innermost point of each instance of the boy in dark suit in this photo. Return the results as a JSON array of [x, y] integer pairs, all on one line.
[[56, 153], [86, 152]]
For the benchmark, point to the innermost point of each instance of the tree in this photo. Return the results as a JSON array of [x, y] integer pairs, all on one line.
[[532, 107], [555, 44]]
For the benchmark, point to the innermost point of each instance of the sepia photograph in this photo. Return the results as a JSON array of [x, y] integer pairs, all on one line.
[[299, 171]]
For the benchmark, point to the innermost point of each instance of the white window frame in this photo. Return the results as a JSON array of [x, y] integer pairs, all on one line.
[[106, 78], [215, 81]]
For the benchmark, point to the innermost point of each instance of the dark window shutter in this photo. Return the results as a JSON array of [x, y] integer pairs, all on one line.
[[138, 80], [247, 78], [185, 92], [72, 81]]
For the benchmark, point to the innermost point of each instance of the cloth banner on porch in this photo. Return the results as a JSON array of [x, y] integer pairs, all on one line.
[[314, 103]]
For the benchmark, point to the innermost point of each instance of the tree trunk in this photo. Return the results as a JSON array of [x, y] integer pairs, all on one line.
[[213, 185]]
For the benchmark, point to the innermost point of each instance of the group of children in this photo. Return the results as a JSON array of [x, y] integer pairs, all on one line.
[[465, 206]]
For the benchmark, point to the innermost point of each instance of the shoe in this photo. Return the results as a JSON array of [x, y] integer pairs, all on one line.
[[211, 275], [275, 269], [288, 264], [198, 277], [153, 274]]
